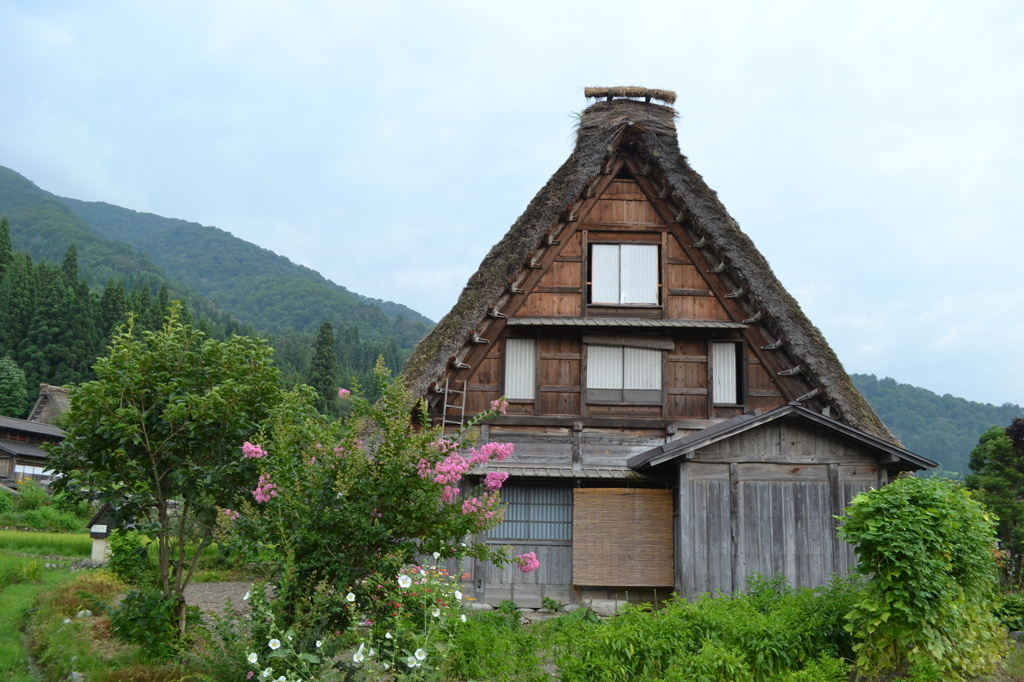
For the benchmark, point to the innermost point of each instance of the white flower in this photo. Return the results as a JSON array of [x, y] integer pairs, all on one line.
[[437, 555], [282, 679], [268, 672], [411, 662], [289, 638], [435, 612], [420, 654], [274, 644], [458, 595], [66, 621], [350, 598], [319, 644], [253, 657], [463, 618], [246, 597], [371, 652], [358, 656], [387, 635], [404, 581], [387, 665]]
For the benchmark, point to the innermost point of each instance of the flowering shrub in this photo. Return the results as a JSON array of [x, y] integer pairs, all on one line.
[[411, 620], [336, 505]]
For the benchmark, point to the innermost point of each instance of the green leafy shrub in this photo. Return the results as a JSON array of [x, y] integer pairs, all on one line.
[[6, 502], [75, 505], [33, 496], [771, 631], [149, 619], [1010, 611], [494, 646], [129, 559], [926, 552], [48, 518]]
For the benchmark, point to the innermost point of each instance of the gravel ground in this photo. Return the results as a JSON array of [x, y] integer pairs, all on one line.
[[211, 597]]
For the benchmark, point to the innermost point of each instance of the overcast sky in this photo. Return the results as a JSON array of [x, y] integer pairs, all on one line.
[[873, 151]]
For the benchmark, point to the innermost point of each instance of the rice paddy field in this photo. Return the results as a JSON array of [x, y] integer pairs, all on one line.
[[46, 544]]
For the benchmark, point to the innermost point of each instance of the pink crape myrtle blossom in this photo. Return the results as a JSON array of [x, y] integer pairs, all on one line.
[[451, 470], [449, 494], [231, 514], [500, 405], [485, 508], [494, 479], [265, 490], [250, 451], [343, 393], [528, 562]]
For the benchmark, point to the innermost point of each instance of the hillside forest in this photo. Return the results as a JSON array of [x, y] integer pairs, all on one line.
[[53, 326]]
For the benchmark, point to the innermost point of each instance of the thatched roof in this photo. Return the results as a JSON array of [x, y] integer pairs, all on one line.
[[53, 401], [648, 130]]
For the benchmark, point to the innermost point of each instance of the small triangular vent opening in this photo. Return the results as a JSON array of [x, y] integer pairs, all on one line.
[[624, 174]]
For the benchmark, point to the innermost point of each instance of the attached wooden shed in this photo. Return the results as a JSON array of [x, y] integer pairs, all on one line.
[[759, 493]]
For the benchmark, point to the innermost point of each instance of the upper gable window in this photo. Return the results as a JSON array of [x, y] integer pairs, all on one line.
[[624, 274]]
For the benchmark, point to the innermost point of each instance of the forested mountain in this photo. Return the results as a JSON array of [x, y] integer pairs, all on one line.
[[943, 428], [252, 284]]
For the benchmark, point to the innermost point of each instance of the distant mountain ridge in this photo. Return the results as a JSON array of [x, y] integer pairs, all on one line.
[[252, 284], [942, 428]]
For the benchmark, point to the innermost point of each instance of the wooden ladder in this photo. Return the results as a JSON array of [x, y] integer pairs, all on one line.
[[453, 400]]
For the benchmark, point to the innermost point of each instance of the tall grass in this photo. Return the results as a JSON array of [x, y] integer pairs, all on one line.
[[50, 544], [15, 601]]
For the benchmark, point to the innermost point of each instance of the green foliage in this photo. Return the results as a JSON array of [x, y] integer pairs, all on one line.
[[323, 371], [998, 480], [494, 646], [162, 422], [150, 619], [926, 552], [551, 604], [333, 509], [768, 633], [33, 496], [256, 286], [60, 544], [129, 558], [48, 518], [1010, 611], [6, 501], [13, 389], [70, 503], [942, 428]]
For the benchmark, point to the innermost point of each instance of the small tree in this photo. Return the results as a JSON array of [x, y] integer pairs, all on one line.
[[998, 478], [13, 391], [156, 434], [926, 552], [323, 370]]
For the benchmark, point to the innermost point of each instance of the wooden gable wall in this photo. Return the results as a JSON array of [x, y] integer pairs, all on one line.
[[621, 207]]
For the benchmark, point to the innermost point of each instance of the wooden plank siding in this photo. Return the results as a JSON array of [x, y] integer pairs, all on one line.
[[763, 502]]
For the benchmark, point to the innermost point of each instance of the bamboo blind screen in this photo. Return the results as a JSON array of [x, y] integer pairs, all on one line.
[[622, 537]]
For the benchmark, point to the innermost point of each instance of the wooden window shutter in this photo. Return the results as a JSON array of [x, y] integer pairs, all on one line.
[[723, 368], [622, 537], [520, 369]]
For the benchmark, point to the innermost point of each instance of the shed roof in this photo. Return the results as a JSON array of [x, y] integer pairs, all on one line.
[[729, 428], [649, 131]]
